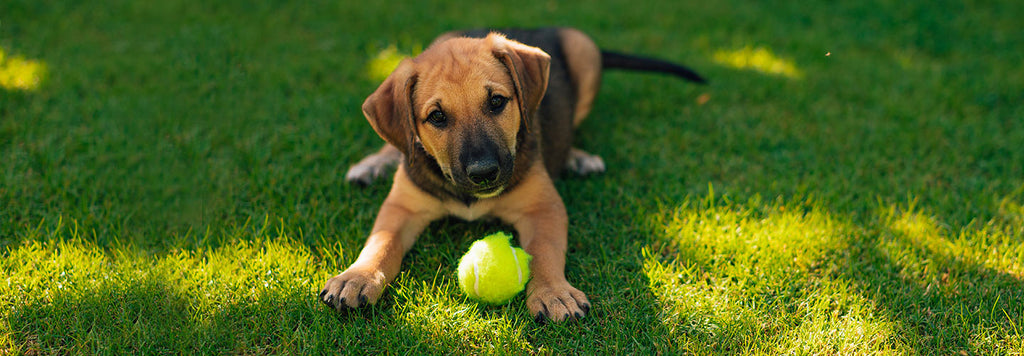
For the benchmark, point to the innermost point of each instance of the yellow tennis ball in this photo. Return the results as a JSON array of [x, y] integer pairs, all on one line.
[[493, 271]]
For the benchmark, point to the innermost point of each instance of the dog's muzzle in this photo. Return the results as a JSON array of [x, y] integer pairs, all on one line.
[[485, 168]]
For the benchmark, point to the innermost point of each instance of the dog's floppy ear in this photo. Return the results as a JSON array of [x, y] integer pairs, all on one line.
[[389, 108], [529, 69]]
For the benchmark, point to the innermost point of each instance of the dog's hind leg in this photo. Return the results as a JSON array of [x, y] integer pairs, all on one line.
[[584, 61], [374, 166], [583, 163]]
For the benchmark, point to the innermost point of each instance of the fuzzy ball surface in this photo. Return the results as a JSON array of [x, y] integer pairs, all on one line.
[[493, 271]]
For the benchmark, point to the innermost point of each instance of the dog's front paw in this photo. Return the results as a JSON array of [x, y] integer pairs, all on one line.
[[353, 289], [556, 302]]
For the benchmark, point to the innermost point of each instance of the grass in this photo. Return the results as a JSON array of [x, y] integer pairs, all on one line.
[[851, 182]]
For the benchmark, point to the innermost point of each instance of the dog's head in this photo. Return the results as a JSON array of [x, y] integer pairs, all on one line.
[[465, 101]]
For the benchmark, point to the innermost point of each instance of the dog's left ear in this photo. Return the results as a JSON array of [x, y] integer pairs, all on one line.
[[529, 68]]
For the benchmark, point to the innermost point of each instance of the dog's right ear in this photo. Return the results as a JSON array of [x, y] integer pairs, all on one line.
[[389, 108]]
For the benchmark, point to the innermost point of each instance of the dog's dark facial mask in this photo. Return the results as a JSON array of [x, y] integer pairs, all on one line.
[[466, 100], [480, 163]]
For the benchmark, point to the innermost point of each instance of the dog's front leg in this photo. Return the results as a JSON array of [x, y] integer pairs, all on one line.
[[536, 211], [403, 215], [543, 234]]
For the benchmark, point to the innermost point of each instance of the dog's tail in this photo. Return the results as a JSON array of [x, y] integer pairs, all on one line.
[[614, 60]]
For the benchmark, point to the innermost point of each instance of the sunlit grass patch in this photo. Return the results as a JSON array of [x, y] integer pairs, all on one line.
[[69, 295], [1011, 208], [837, 320], [19, 73], [759, 59], [439, 319], [932, 261], [695, 305], [762, 242], [385, 62], [744, 274], [928, 248]]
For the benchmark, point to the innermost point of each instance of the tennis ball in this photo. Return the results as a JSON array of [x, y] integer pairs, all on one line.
[[493, 271]]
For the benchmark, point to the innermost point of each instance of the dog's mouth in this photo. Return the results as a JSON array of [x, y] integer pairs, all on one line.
[[480, 191], [489, 193]]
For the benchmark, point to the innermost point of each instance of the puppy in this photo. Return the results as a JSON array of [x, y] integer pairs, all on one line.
[[478, 125]]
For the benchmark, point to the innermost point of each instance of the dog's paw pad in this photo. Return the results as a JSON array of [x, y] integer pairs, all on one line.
[[583, 163]]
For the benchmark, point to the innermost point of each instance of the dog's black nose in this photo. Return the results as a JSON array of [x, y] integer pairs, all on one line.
[[483, 171]]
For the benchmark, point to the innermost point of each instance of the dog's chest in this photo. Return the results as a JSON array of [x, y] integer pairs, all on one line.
[[480, 208]]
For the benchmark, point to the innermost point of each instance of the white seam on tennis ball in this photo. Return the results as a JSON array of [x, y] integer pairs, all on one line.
[[518, 269], [476, 277]]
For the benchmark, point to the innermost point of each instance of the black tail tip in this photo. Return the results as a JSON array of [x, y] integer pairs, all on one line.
[[616, 60], [689, 74]]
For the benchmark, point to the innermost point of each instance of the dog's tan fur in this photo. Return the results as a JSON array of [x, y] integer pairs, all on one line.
[[459, 76], [584, 62]]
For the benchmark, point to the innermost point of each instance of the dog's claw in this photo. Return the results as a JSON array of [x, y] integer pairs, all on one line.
[[353, 289], [322, 293], [559, 302]]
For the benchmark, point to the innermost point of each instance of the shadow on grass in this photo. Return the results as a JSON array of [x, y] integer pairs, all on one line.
[[954, 298], [747, 278], [132, 304], [153, 317], [773, 278]]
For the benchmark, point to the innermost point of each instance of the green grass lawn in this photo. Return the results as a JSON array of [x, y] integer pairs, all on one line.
[[851, 181]]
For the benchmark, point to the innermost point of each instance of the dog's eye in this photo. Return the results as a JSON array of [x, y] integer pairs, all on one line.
[[497, 103], [437, 118]]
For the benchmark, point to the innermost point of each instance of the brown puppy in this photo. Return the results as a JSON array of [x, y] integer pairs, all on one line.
[[480, 124]]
